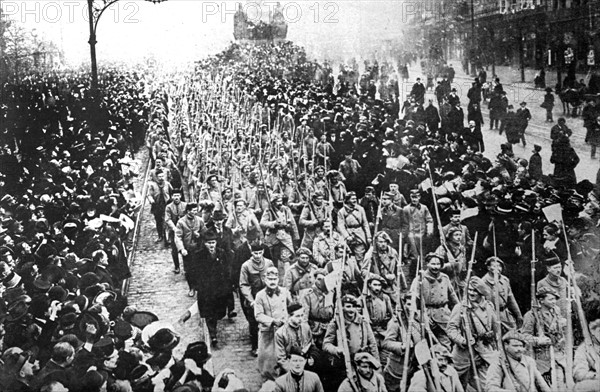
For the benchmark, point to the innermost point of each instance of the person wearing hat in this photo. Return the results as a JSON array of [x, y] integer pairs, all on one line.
[[300, 276], [243, 224], [453, 255], [382, 260], [438, 294], [358, 332], [251, 281], [370, 203], [448, 377], [281, 233], [18, 370], [380, 308], [350, 169], [319, 180], [318, 306], [324, 244], [212, 191], [523, 372], [510, 313], [213, 283], [548, 104], [354, 227], [483, 338], [173, 212], [313, 216], [390, 220], [554, 281], [367, 377], [395, 342], [553, 242], [270, 311], [297, 379], [188, 241], [159, 195], [295, 332], [225, 241], [545, 328], [586, 361], [510, 124], [535, 163], [523, 116], [417, 224], [190, 369], [455, 222]]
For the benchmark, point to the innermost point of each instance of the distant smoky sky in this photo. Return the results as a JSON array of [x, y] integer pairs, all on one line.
[[179, 31]]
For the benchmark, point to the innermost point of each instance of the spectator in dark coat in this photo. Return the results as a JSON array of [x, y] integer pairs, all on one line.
[[473, 137], [565, 159], [548, 104], [594, 136], [432, 117], [560, 129], [535, 163], [213, 283], [474, 114], [418, 92]]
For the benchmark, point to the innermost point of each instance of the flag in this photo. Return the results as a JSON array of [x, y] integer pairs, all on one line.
[[553, 213], [426, 185]]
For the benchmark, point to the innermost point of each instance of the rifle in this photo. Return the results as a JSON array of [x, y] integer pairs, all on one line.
[[587, 337], [534, 309], [437, 216], [425, 329], [502, 354], [342, 338], [368, 270], [467, 323]]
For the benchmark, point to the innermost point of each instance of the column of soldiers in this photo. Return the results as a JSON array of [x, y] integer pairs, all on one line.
[[381, 294]]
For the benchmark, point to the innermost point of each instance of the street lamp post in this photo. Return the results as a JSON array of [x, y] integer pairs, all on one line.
[[94, 14]]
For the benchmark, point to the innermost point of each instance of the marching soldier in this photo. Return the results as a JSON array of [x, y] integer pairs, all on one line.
[[417, 223], [510, 314], [270, 310], [252, 280], [555, 282], [524, 375], [367, 378], [395, 341], [466, 240], [351, 276], [313, 218], [354, 227], [359, 333], [298, 379], [380, 310], [280, 233], [174, 211], [439, 297], [382, 260], [318, 307], [187, 238], [294, 333], [545, 329], [301, 275], [449, 381], [481, 316], [391, 218], [324, 244]]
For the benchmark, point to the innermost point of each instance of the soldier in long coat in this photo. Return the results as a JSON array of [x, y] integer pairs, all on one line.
[[312, 218], [481, 315], [270, 310], [510, 314], [188, 232], [252, 275], [439, 296], [354, 227], [545, 329], [280, 233], [391, 218], [382, 260]]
